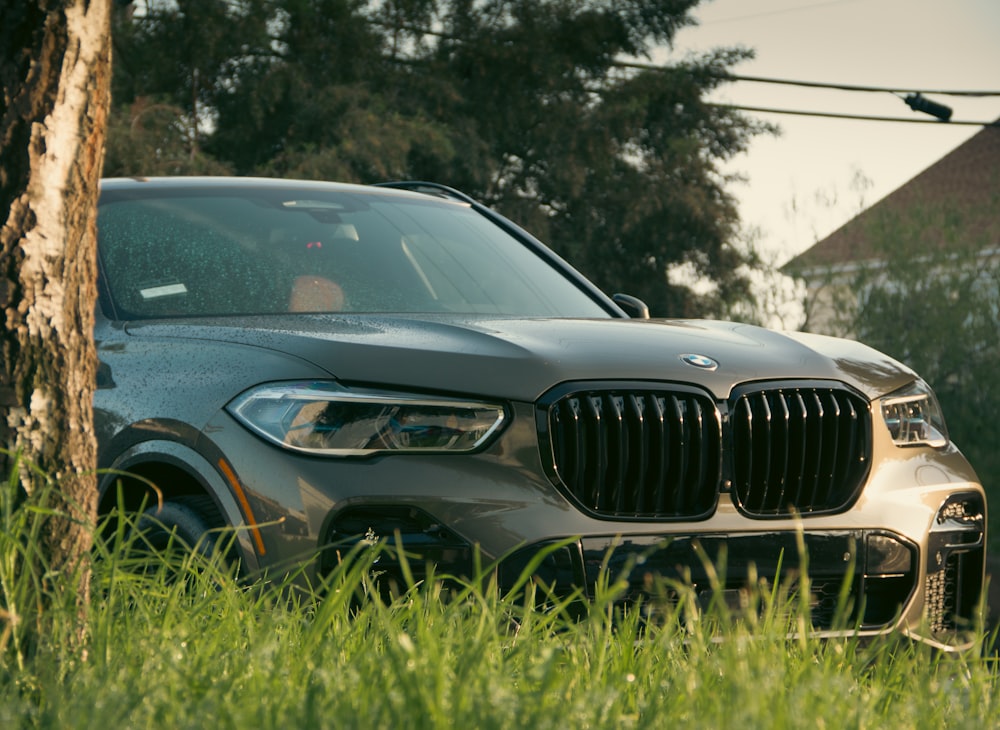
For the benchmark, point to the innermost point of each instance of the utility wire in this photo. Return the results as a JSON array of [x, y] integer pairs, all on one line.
[[851, 87], [733, 77], [860, 117], [788, 82], [814, 84], [841, 87]]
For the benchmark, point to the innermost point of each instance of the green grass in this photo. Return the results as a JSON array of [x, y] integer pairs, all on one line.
[[181, 644]]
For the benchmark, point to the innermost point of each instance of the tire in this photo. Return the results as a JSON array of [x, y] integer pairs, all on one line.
[[180, 526]]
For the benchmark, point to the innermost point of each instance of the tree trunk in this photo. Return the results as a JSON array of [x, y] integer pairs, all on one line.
[[55, 76]]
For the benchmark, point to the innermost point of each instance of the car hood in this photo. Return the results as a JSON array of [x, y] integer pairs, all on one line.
[[520, 359]]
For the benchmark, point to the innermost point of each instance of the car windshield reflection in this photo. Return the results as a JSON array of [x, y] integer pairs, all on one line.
[[240, 252]]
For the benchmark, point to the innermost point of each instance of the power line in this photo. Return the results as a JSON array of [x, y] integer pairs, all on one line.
[[854, 87], [809, 84], [860, 117], [914, 98], [815, 84], [737, 77]]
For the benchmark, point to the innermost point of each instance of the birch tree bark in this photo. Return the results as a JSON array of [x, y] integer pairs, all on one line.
[[55, 78]]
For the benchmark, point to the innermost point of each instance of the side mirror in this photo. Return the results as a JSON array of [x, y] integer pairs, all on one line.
[[632, 306]]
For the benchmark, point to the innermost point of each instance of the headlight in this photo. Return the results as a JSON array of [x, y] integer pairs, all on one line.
[[914, 417], [327, 419]]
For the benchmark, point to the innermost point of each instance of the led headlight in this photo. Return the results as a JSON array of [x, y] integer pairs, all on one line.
[[328, 419], [913, 416]]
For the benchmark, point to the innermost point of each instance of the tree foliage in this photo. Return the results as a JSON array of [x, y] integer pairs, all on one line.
[[523, 104]]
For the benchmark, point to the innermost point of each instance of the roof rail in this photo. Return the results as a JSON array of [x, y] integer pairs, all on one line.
[[433, 188]]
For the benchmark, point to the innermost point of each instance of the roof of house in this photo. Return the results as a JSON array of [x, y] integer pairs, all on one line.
[[965, 182]]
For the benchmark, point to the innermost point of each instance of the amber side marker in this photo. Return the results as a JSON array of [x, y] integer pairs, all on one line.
[[234, 482]]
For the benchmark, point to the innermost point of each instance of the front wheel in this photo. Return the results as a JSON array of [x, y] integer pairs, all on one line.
[[180, 526]]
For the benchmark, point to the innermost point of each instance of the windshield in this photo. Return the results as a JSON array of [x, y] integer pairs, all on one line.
[[262, 250]]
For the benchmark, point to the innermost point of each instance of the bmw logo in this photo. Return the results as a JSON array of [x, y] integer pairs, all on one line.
[[700, 361]]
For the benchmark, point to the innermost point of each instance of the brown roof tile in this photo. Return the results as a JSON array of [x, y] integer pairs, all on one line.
[[959, 195]]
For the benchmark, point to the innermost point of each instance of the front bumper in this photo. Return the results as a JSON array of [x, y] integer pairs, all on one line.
[[865, 580]]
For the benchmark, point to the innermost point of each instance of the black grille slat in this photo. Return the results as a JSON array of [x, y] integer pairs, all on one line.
[[696, 452], [706, 454], [678, 455], [638, 474], [759, 453], [827, 457], [621, 447], [763, 485], [849, 427], [660, 448], [780, 443], [825, 446], [567, 430], [833, 440], [597, 438], [795, 472], [812, 448]]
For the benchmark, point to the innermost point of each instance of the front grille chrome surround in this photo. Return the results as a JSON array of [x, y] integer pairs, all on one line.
[[634, 451], [665, 451], [800, 448]]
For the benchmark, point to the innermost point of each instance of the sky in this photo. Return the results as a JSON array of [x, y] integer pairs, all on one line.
[[819, 173]]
